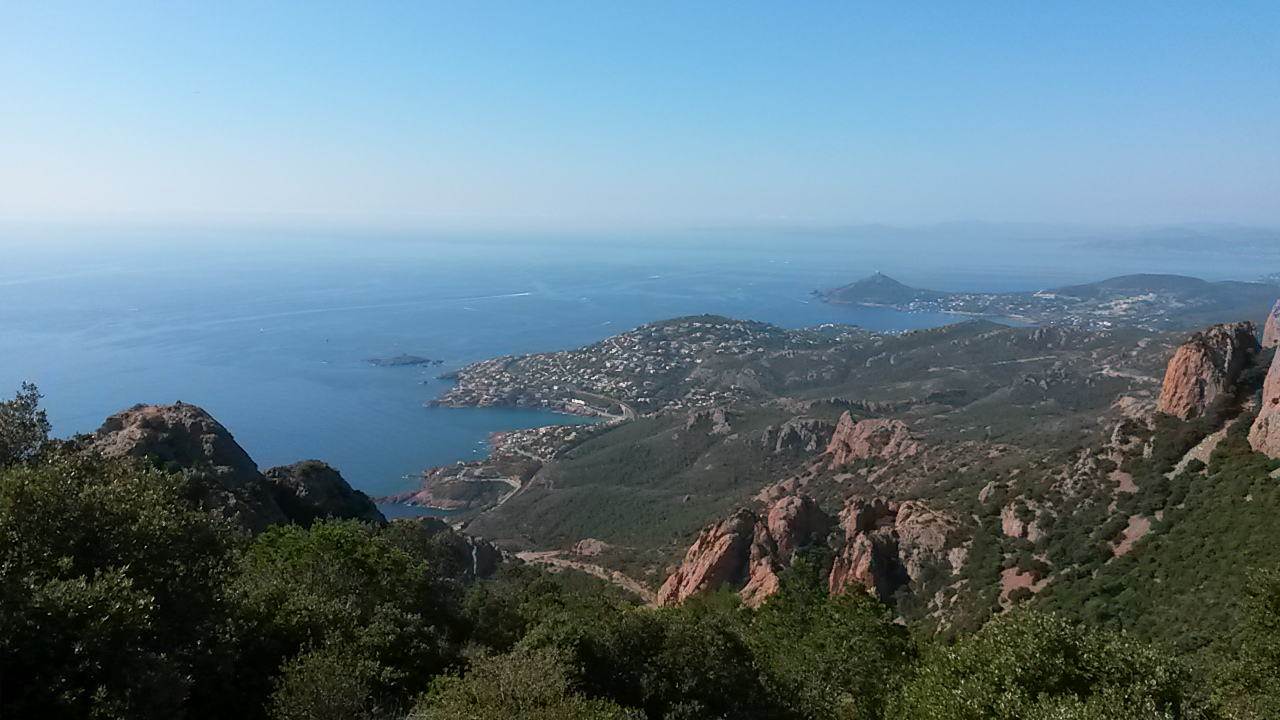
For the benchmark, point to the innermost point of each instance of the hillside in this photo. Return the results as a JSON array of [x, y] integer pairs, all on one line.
[[973, 522], [1152, 302], [1038, 452]]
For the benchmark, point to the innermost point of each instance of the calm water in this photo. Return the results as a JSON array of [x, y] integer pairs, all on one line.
[[268, 333]]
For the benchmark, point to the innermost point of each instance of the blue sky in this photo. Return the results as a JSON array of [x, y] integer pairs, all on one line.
[[612, 115]]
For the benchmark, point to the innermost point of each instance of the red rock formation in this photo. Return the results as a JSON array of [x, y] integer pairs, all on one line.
[[1204, 367], [1264, 436], [888, 545], [718, 556], [876, 438], [1271, 331], [749, 547]]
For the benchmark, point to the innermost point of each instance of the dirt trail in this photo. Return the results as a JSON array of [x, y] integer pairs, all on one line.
[[554, 559]]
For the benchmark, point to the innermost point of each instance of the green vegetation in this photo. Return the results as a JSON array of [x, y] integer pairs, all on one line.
[[140, 605]]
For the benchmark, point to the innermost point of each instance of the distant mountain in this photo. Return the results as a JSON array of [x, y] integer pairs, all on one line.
[[879, 289], [1156, 302]]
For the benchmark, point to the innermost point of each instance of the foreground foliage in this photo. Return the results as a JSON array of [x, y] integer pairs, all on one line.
[[121, 598]]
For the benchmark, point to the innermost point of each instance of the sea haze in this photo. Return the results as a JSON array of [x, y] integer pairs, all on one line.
[[269, 333]]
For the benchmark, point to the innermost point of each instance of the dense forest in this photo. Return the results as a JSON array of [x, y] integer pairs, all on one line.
[[121, 597]]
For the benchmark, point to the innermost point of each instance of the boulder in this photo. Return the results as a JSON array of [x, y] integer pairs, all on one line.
[[1205, 367], [875, 438], [1264, 436], [312, 490], [183, 436]]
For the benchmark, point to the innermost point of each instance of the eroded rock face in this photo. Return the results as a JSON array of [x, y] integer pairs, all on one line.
[[718, 556], [312, 490], [1271, 331], [1264, 436], [799, 434], [1205, 367], [875, 438], [185, 436], [888, 545], [748, 547]]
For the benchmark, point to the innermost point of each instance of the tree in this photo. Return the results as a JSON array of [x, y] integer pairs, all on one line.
[[24, 427], [109, 581], [829, 656]]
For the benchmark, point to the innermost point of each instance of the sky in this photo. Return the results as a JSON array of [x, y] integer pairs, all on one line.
[[613, 115]]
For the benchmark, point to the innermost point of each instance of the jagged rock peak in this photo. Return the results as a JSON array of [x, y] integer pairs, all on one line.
[[875, 438], [747, 547], [1271, 331], [1204, 367], [312, 490], [1264, 436]]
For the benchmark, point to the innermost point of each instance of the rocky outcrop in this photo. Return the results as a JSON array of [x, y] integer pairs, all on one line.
[[718, 556], [888, 545], [312, 490], [799, 434], [1264, 436], [717, 418], [223, 476], [875, 438], [182, 436], [1271, 331], [747, 548], [1204, 368]]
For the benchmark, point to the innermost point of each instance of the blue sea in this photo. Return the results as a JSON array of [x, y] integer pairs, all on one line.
[[269, 331]]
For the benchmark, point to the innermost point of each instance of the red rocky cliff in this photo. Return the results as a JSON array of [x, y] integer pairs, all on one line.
[[1264, 436], [747, 547], [876, 438], [1271, 331], [887, 545], [1205, 367]]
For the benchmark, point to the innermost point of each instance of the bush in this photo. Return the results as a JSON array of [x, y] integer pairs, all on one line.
[[517, 686], [109, 583], [1032, 665], [828, 656]]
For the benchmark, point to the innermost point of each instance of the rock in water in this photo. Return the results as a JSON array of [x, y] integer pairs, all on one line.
[[312, 490], [876, 438], [1264, 436], [182, 436], [1271, 331], [1204, 367]]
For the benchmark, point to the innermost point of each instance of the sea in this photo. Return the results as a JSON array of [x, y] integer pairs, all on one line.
[[270, 330]]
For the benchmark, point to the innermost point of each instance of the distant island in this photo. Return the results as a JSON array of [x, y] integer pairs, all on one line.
[[1151, 302], [402, 361]]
